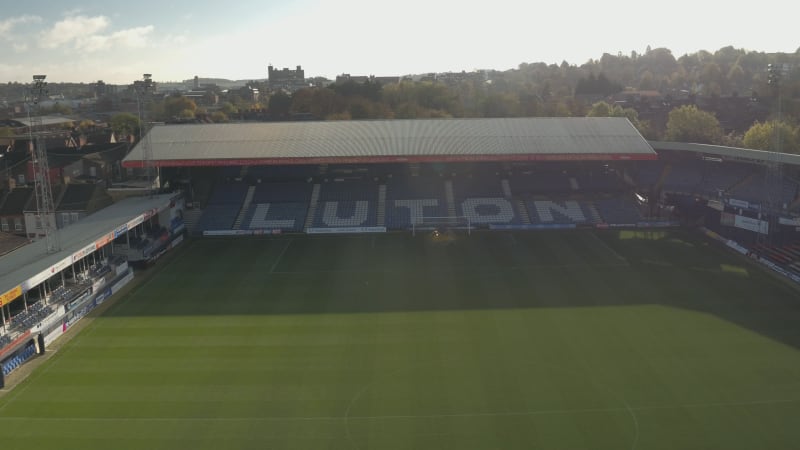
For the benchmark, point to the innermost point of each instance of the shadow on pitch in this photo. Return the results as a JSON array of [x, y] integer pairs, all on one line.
[[484, 271]]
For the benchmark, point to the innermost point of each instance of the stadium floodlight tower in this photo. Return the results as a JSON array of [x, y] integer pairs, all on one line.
[[144, 92], [45, 206], [773, 175]]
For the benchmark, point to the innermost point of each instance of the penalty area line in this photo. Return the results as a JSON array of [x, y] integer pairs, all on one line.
[[280, 256], [539, 412]]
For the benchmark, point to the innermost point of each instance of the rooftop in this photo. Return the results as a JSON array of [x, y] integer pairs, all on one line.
[[32, 259], [430, 140]]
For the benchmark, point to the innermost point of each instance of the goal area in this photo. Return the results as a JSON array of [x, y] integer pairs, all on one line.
[[441, 224]]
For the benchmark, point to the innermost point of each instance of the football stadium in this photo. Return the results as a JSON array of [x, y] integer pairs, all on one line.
[[537, 283]]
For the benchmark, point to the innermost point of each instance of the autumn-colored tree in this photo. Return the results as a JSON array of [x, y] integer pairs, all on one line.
[[603, 109], [125, 124], [219, 117], [762, 136], [177, 106], [689, 124]]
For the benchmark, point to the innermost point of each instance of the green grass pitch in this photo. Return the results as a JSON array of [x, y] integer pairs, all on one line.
[[574, 340]]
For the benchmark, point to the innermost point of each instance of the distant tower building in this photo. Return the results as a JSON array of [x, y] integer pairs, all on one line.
[[99, 88], [286, 79], [196, 83]]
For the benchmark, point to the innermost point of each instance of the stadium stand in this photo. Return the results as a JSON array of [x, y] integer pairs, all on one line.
[[755, 191], [543, 212], [480, 198], [683, 177], [786, 256], [722, 177], [35, 313], [540, 182], [10, 364], [223, 206], [409, 198], [278, 206], [598, 181], [618, 210], [648, 173], [347, 204]]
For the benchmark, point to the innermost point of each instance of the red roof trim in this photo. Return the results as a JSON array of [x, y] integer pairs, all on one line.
[[396, 159]]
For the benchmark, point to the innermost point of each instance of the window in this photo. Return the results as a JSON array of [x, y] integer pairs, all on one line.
[[64, 219], [18, 224], [4, 224], [74, 217]]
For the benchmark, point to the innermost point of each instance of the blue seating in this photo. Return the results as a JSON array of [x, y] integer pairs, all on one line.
[[28, 318], [755, 191], [282, 192], [286, 216], [228, 193], [486, 186], [558, 212], [223, 206], [684, 177], [648, 173], [481, 199], [539, 182], [10, 364], [347, 204], [599, 181], [418, 196], [218, 217], [618, 210], [721, 177]]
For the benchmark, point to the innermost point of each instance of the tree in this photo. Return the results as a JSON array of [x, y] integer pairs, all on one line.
[[600, 109], [689, 124], [228, 109], [219, 117], [761, 136], [186, 114], [176, 106], [279, 105], [85, 125], [125, 124], [603, 109]]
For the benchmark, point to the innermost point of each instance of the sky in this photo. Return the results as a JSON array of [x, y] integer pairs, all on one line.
[[113, 41]]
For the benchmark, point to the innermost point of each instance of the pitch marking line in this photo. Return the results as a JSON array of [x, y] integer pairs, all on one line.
[[457, 269], [609, 249], [539, 412], [280, 256]]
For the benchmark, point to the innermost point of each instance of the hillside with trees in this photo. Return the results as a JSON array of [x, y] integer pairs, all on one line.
[[725, 93]]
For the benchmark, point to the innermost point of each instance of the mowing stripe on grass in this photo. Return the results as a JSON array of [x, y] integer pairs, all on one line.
[[538, 412]]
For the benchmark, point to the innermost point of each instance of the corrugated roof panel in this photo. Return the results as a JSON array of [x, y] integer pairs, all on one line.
[[394, 138]]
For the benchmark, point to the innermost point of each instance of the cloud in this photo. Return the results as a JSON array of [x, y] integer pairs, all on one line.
[[8, 24], [129, 38], [86, 34], [73, 29]]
